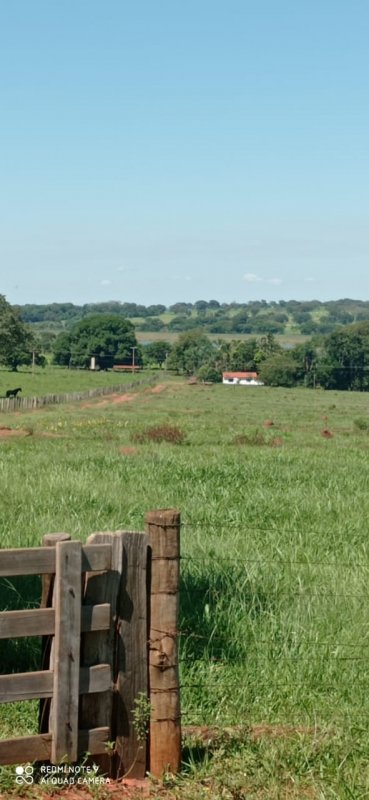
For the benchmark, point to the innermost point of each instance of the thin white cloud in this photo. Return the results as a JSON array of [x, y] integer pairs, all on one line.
[[105, 283], [250, 277]]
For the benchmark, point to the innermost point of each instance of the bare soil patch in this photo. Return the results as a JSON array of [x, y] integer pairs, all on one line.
[[159, 388], [326, 433], [128, 451], [114, 399], [123, 398], [128, 788], [6, 433]]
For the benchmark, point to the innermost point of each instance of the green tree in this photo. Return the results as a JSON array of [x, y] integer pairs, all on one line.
[[267, 346], [242, 355], [109, 337], [344, 362], [209, 373], [281, 369], [151, 324], [157, 352], [16, 340], [192, 350]]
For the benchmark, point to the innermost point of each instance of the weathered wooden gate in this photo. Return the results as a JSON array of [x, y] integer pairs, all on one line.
[[101, 610]]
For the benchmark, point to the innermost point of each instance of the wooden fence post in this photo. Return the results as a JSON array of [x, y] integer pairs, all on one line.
[[48, 581], [163, 528], [67, 652]]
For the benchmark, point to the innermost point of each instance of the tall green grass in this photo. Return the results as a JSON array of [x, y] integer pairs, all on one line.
[[275, 554]]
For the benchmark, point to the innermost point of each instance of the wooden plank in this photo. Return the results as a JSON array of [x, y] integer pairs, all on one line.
[[38, 748], [95, 679], [26, 686], [41, 560], [67, 651], [31, 685], [93, 740], [96, 618], [27, 561], [41, 621], [31, 622], [50, 540], [47, 643], [25, 749], [96, 557], [131, 680], [165, 725], [99, 647], [125, 588]]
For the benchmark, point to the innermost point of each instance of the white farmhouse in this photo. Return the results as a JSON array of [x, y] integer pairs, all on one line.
[[241, 379]]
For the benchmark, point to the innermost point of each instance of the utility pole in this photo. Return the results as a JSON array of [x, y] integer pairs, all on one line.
[[133, 357]]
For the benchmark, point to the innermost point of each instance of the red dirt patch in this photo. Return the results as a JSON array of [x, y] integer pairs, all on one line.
[[126, 788], [114, 399], [326, 433], [123, 398], [5, 433], [128, 451], [159, 388]]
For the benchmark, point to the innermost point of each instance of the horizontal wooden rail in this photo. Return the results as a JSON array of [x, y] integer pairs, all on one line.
[[41, 560], [41, 621], [38, 748], [32, 685]]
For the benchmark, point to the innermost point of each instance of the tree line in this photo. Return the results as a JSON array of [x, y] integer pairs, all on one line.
[[254, 317], [338, 360]]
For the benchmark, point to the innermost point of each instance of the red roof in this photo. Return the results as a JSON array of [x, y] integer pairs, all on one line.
[[240, 375]]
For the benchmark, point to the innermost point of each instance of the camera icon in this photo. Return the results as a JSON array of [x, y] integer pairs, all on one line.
[[24, 775]]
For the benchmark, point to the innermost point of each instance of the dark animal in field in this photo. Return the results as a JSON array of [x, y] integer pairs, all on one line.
[[13, 392]]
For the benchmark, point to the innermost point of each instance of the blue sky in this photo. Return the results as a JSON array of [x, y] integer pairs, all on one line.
[[168, 150]]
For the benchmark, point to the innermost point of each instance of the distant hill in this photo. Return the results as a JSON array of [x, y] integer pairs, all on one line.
[[255, 317]]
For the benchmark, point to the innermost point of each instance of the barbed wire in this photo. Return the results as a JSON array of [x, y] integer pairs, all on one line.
[[283, 657], [260, 594], [236, 685], [178, 632], [240, 561], [314, 716]]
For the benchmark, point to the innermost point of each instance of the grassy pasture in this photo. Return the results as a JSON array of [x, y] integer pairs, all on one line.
[[275, 566], [57, 380]]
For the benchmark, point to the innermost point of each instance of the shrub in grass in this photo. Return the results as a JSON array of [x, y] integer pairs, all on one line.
[[254, 438], [160, 433], [361, 424]]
